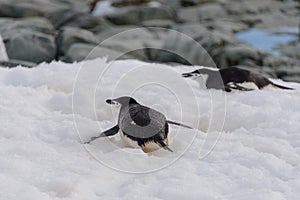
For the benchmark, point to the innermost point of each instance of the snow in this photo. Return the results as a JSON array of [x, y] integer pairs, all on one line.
[[247, 145]]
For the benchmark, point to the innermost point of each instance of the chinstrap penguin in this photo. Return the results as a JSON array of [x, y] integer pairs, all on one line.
[[232, 78], [139, 126]]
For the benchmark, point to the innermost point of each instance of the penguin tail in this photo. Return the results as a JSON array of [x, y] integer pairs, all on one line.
[[282, 87], [163, 145], [179, 124]]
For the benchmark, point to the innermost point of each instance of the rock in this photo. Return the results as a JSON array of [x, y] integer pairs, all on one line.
[[241, 55], [206, 12], [180, 48], [29, 45], [234, 8], [70, 35], [129, 39], [158, 23], [78, 52], [251, 20], [15, 63], [29, 8], [291, 50], [187, 3], [39, 24], [227, 27], [286, 71], [292, 78], [109, 32], [211, 11], [3, 53], [276, 62], [136, 15], [28, 39], [78, 19], [123, 3]]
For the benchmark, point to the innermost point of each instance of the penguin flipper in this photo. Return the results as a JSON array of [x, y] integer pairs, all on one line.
[[235, 86], [179, 124], [112, 131]]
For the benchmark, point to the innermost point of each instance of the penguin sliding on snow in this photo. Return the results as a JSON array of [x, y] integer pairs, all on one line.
[[139, 126], [232, 78]]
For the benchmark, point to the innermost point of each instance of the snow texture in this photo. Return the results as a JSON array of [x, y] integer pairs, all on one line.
[[48, 111]]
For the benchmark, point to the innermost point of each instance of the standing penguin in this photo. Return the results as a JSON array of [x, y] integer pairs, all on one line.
[[232, 78], [139, 126]]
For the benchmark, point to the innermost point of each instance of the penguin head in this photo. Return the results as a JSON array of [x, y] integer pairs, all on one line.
[[200, 75], [203, 72], [122, 101]]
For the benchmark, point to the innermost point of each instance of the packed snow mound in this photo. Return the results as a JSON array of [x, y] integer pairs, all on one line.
[[246, 145]]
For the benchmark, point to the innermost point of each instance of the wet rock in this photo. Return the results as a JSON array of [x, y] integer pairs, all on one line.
[[79, 52], [29, 45], [291, 50], [39, 24], [29, 39], [205, 12], [129, 39], [187, 3], [241, 55], [136, 15], [70, 35], [227, 27], [14, 63], [276, 62], [79, 19], [29, 8], [158, 23]]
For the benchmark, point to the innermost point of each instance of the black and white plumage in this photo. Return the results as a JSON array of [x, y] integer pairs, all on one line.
[[232, 78], [140, 126]]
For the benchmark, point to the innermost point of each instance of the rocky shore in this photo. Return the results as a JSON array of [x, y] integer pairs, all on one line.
[[36, 31]]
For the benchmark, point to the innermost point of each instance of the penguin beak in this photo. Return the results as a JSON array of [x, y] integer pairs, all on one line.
[[191, 75], [112, 102], [185, 75]]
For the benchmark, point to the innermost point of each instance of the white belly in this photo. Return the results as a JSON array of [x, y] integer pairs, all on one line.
[[149, 146], [247, 85]]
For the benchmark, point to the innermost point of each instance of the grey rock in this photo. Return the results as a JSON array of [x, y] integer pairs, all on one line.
[[70, 35], [158, 23], [226, 27], [39, 24], [291, 50], [111, 31], [241, 55], [129, 39], [14, 63], [79, 52], [211, 11], [181, 48], [29, 45], [29, 8], [291, 78], [77, 19], [187, 3], [29, 39], [284, 70], [276, 62], [136, 15], [204, 12]]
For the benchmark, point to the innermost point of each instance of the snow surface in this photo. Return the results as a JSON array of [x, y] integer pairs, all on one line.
[[48, 111]]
